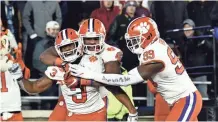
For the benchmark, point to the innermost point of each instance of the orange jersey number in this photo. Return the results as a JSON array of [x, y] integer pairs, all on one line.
[[175, 61], [148, 55], [4, 88], [80, 97]]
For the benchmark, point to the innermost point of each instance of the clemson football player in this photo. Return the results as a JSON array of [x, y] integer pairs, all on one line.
[[158, 63], [92, 35]]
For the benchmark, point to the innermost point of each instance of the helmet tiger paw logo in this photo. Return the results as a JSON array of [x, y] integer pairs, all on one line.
[[93, 58], [144, 27]]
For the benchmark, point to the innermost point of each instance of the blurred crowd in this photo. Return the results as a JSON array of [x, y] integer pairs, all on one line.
[[35, 25]]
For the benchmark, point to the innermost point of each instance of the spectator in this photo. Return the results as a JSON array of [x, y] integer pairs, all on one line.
[[52, 29], [11, 14], [118, 27], [199, 12], [117, 31], [142, 11], [169, 15], [43, 11], [195, 54], [106, 13]]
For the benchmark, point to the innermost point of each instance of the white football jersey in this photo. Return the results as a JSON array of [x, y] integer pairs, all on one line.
[[10, 98], [172, 81], [88, 98]]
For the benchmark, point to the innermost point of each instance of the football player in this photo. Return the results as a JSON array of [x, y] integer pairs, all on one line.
[[158, 63], [92, 34], [11, 82], [83, 103]]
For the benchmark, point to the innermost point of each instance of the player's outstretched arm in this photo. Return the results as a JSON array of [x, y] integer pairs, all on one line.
[[50, 57], [30, 87], [38, 86], [136, 75]]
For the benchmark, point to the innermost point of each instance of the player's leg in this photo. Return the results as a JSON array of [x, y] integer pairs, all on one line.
[[60, 111], [161, 108], [186, 109]]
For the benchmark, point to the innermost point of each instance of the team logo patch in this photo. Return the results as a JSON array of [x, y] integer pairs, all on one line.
[[93, 58]]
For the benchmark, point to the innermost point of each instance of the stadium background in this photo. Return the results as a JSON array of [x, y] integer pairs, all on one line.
[[170, 17]]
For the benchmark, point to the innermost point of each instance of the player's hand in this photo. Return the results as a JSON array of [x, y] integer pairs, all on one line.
[[55, 73], [132, 117], [79, 71], [16, 72], [72, 82], [5, 63]]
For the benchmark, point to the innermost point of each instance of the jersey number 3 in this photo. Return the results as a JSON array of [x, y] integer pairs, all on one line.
[[148, 55], [82, 96], [3, 81], [175, 61]]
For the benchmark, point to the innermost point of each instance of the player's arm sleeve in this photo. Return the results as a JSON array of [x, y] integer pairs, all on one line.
[[136, 75], [133, 77]]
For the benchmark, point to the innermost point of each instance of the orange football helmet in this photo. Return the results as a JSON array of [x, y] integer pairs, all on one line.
[[65, 38], [140, 33], [92, 28]]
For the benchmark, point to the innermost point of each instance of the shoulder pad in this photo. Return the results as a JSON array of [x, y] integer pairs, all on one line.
[[111, 53]]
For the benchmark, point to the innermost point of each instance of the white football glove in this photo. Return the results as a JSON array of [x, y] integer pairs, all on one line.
[[5, 63], [16, 71], [79, 71], [132, 117], [6, 116], [55, 73]]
